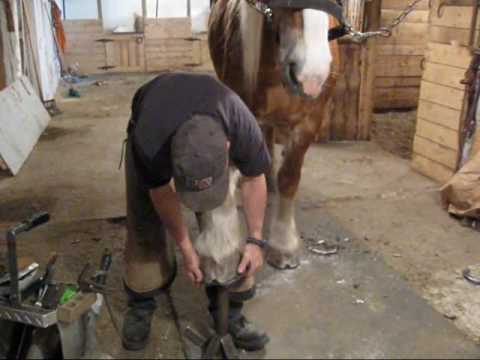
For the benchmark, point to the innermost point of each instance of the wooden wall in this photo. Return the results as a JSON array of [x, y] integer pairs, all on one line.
[[441, 95], [399, 58], [165, 44]]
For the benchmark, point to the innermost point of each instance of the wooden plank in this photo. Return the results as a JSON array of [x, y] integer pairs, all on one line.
[[416, 16], [396, 82], [401, 49], [452, 16], [402, 4], [407, 34], [443, 95], [132, 54], [446, 35], [434, 151], [141, 55], [368, 73], [396, 98], [447, 54], [431, 169], [444, 75], [476, 144], [344, 109], [438, 134], [168, 28], [123, 46], [439, 114], [24, 118], [399, 65]]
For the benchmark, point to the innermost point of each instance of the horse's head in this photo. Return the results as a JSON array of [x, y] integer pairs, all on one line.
[[301, 40], [303, 49]]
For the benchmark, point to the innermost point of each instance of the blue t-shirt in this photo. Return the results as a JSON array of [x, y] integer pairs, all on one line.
[[162, 105]]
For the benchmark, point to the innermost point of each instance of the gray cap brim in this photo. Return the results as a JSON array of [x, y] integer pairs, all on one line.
[[206, 200]]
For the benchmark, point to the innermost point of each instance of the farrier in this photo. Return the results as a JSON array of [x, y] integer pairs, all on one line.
[[189, 128]]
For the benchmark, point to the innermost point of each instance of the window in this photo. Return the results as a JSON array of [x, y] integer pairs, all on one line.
[[78, 9], [166, 8], [200, 7], [120, 15]]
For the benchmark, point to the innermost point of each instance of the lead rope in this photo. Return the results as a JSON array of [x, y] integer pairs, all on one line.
[[385, 31]]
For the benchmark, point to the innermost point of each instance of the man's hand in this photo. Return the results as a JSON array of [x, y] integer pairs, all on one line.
[[252, 260], [192, 264]]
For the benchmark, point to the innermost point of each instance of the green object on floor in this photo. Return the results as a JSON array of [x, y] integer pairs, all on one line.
[[73, 92], [68, 294]]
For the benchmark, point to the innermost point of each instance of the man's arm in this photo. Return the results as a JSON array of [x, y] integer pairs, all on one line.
[[168, 209], [254, 197]]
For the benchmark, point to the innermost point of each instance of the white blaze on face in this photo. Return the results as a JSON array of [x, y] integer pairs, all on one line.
[[317, 52]]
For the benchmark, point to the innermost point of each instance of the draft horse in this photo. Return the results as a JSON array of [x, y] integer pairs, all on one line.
[[278, 57]]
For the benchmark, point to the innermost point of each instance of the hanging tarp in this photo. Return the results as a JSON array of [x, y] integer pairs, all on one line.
[[9, 31], [38, 13], [32, 21]]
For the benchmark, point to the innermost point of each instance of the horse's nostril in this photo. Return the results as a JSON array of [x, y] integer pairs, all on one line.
[[292, 67]]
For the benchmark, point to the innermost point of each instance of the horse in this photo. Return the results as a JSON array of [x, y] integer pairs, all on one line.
[[283, 66]]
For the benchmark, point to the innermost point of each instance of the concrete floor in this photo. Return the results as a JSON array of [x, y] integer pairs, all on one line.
[[402, 261]]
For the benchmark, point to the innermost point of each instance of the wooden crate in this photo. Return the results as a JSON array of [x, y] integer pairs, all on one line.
[[442, 95], [400, 57]]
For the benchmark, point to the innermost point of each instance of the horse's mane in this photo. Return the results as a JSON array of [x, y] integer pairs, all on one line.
[[251, 29], [244, 25]]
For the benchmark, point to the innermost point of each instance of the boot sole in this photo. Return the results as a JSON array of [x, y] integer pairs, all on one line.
[[251, 347], [134, 345]]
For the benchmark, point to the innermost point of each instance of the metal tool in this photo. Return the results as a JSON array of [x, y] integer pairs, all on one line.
[[15, 297], [467, 274], [97, 282], [220, 343], [36, 330], [46, 279]]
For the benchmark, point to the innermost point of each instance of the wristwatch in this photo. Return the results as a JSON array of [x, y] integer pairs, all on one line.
[[262, 244]]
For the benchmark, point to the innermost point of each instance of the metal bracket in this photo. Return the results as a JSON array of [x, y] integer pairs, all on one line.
[[28, 315]]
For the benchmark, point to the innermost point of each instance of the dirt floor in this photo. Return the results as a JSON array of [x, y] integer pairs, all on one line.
[[394, 132], [403, 251]]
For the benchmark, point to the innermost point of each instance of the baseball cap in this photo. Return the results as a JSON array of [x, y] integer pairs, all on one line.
[[199, 158]]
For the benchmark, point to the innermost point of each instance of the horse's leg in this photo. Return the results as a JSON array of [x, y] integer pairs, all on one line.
[[221, 237], [269, 134], [284, 242]]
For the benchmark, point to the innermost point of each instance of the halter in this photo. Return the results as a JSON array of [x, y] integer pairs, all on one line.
[[335, 9]]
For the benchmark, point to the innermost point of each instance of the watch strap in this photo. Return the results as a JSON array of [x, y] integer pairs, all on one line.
[[262, 244]]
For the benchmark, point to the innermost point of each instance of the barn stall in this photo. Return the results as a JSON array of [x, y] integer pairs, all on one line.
[[396, 273]]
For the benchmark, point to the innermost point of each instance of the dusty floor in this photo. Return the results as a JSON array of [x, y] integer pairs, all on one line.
[[403, 246], [394, 132]]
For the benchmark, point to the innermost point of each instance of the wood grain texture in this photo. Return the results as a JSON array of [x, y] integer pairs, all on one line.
[[431, 169], [24, 118]]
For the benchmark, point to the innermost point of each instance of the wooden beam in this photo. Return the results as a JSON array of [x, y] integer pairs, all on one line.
[[144, 8], [99, 9], [9, 13], [373, 10]]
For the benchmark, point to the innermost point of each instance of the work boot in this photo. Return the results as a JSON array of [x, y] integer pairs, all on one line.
[[136, 325], [246, 336]]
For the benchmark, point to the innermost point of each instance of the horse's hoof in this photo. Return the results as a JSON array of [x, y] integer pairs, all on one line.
[[282, 261]]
